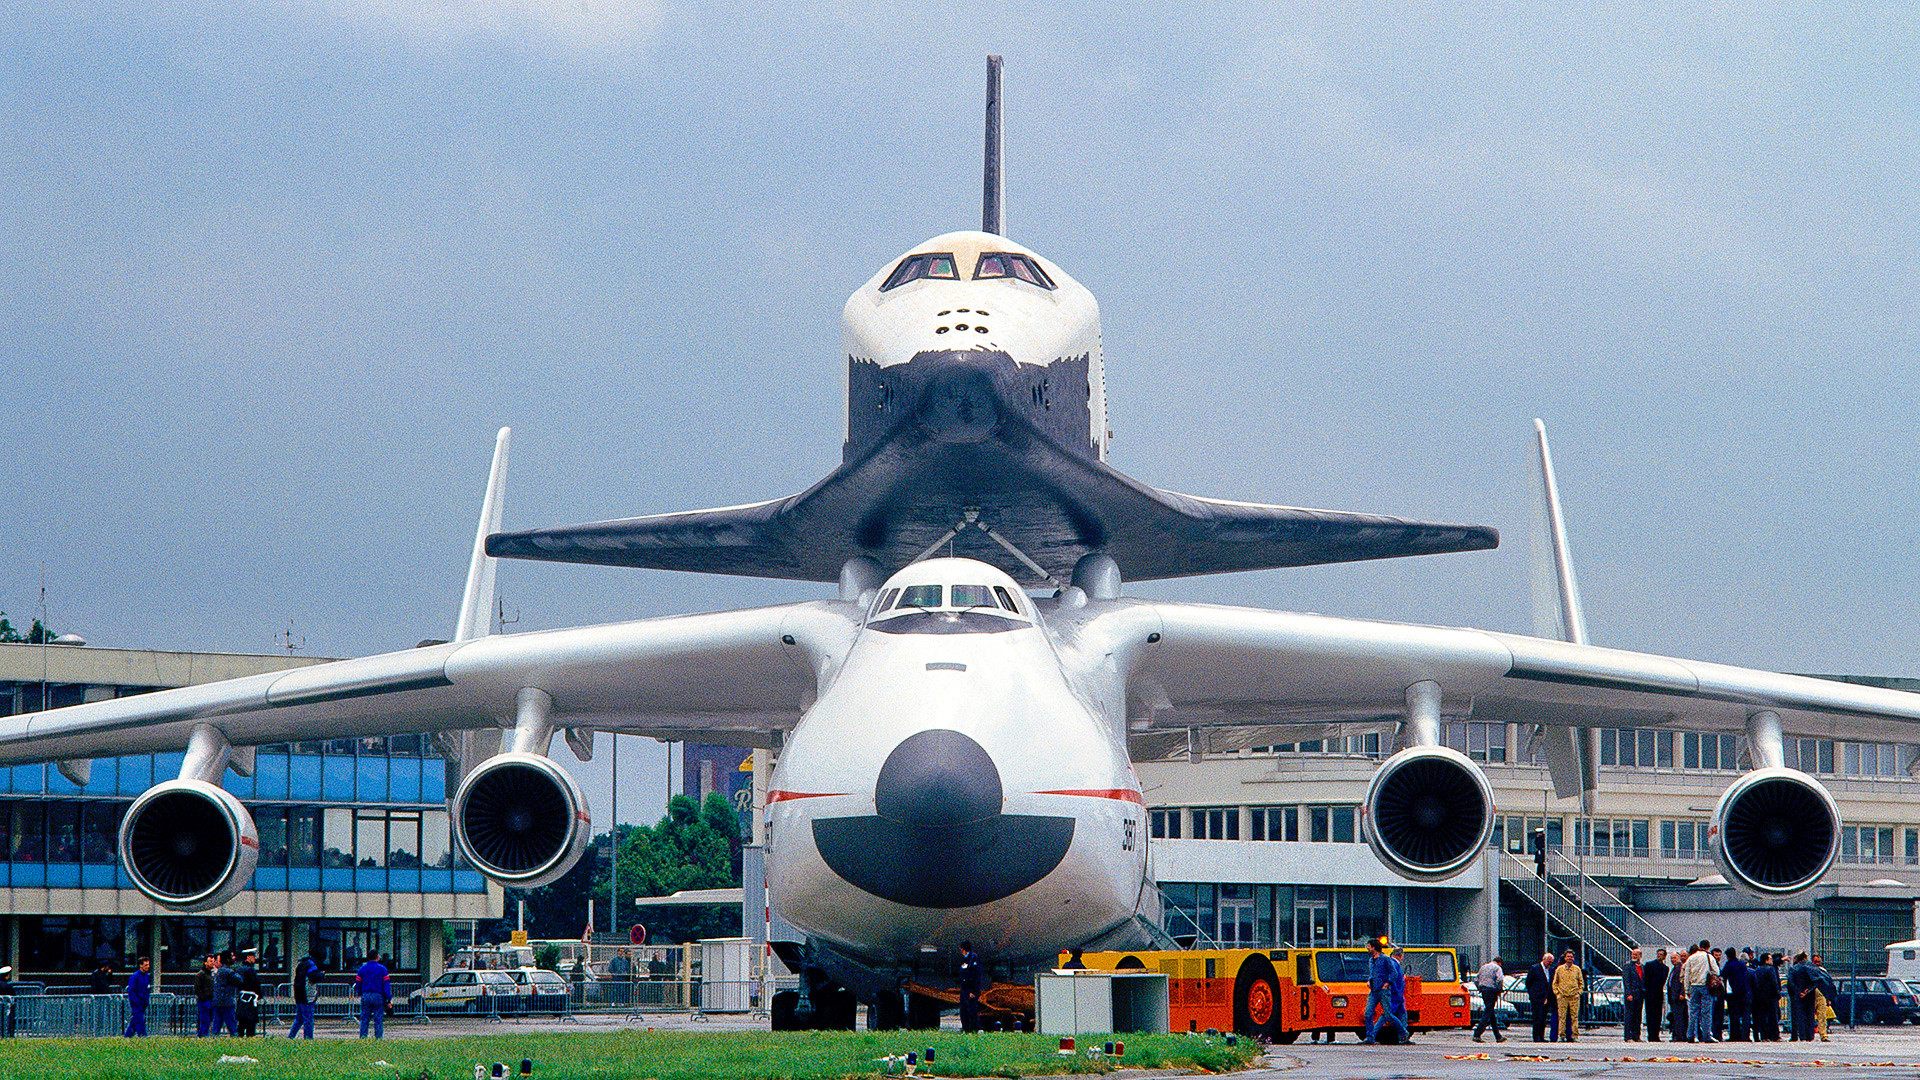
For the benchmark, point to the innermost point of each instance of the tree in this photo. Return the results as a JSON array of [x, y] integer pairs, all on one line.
[[38, 635], [694, 846]]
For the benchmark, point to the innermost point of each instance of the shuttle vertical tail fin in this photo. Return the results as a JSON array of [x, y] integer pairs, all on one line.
[[1569, 751], [993, 195]]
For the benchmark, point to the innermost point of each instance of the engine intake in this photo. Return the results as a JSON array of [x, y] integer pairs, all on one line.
[[1775, 832], [520, 819], [189, 845], [1428, 813]]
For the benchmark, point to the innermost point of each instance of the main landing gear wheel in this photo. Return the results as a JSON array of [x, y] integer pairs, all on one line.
[[1256, 999], [923, 1012]]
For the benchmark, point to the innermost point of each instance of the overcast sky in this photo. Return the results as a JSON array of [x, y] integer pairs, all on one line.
[[271, 275]]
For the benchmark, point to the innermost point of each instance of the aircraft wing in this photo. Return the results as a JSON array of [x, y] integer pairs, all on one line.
[[1238, 667], [725, 677], [982, 501]]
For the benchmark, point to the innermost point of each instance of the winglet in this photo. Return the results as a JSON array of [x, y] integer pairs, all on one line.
[[1569, 750], [476, 603]]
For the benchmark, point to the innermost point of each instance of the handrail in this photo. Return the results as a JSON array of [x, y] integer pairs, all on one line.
[[1587, 882], [1558, 904]]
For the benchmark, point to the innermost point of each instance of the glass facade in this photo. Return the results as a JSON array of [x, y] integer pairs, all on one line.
[[337, 817]]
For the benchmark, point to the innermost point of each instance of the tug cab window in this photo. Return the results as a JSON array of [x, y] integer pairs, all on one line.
[[938, 264], [1007, 264]]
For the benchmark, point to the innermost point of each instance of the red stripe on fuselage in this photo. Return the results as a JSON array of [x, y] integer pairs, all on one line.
[[783, 796], [1123, 794]]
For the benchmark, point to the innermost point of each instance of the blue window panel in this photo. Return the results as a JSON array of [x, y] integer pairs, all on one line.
[[270, 776], [97, 876], [370, 880], [136, 774], [402, 880], [270, 879], [122, 879], [29, 779], [303, 879], [336, 879], [6, 874], [436, 881], [433, 780], [61, 787], [336, 783], [63, 875], [373, 779], [303, 776], [29, 875], [241, 787], [104, 779], [167, 766], [469, 881], [403, 780]]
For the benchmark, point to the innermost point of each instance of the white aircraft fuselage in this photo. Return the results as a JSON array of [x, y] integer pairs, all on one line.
[[962, 779]]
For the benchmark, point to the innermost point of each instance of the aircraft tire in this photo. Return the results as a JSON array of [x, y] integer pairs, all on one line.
[[1256, 999], [842, 1011], [783, 1006], [1285, 1037], [888, 1012], [923, 1012]]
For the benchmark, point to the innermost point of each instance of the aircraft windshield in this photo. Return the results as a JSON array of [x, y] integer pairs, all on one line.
[[966, 596], [937, 264], [922, 596], [1006, 264]]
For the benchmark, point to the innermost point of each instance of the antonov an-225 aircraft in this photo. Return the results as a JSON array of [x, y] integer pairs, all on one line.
[[955, 752]]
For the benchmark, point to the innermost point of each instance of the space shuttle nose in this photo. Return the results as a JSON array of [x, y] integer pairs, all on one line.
[[937, 779]]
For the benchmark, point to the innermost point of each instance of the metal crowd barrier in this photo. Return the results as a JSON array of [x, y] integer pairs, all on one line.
[[86, 1015]]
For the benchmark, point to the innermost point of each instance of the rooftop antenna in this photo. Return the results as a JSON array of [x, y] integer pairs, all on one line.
[[994, 182]]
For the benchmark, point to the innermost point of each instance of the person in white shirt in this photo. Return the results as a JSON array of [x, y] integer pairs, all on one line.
[[1489, 982], [1698, 971]]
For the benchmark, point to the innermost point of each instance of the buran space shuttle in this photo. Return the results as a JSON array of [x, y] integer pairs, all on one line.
[[977, 426], [957, 720]]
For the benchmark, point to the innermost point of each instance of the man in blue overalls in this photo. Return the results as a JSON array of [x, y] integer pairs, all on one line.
[[139, 992], [376, 989], [1378, 978], [973, 979]]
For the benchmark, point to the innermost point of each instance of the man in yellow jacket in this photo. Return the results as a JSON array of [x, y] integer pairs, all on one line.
[[1569, 982]]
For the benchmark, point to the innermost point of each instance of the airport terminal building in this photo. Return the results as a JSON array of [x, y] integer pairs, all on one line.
[[1262, 847], [355, 848]]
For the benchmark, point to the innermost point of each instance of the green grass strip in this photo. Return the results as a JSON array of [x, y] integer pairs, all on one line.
[[624, 1055]]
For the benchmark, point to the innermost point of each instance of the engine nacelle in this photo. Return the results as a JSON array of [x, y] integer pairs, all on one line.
[[521, 820], [188, 844], [1428, 813], [1775, 832]]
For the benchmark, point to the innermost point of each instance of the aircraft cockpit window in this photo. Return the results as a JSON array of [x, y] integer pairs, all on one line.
[[921, 596], [1006, 598], [972, 596], [887, 600], [938, 264], [1007, 264]]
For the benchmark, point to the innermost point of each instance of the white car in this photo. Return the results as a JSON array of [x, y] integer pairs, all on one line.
[[534, 983], [471, 991]]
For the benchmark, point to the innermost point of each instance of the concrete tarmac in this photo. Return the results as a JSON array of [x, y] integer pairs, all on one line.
[[1864, 1054]]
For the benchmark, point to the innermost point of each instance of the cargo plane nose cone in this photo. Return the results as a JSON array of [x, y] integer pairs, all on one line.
[[938, 838]]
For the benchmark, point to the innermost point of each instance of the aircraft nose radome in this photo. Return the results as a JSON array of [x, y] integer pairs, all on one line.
[[938, 778]]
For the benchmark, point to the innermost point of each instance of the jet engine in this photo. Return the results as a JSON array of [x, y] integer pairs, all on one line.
[[520, 819], [1775, 831], [1428, 812], [189, 844]]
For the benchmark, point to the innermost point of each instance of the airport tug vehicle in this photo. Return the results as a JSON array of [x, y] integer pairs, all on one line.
[[1276, 994]]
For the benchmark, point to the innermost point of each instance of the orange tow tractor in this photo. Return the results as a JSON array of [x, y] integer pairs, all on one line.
[[1276, 994]]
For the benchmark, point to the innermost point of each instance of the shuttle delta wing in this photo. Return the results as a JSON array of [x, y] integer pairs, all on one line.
[[1208, 665], [728, 677], [1019, 489]]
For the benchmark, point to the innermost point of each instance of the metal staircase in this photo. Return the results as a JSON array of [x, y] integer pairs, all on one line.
[[1581, 908]]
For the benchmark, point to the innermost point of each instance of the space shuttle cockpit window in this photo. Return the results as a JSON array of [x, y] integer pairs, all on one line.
[[934, 264], [1007, 264]]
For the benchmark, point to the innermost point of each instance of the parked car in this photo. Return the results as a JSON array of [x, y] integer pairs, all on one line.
[[1606, 999], [534, 983], [471, 991], [1875, 1001]]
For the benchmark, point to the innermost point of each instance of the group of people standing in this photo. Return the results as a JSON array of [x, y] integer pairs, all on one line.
[[228, 995], [1703, 990]]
